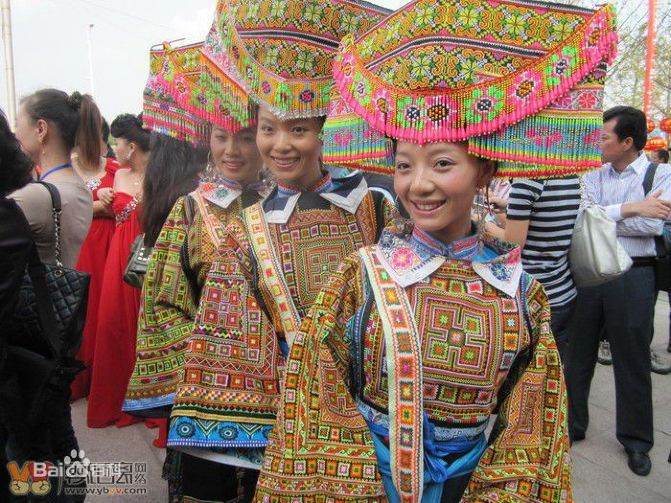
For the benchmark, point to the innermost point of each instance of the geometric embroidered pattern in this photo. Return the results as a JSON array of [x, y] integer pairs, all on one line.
[[168, 305], [234, 361], [477, 346]]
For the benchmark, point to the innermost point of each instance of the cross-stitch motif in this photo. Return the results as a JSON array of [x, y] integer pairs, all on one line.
[[169, 303], [172, 73], [475, 343], [521, 81], [259, 286]]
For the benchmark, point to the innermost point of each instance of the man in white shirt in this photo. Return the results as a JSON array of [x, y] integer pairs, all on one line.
[[625, 306]]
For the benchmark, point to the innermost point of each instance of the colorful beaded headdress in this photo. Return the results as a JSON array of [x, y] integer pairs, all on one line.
[[172, 71], [521, 80], [280, 52], [349, 141]]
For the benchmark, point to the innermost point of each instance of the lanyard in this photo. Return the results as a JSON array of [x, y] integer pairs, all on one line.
[[57, 168]]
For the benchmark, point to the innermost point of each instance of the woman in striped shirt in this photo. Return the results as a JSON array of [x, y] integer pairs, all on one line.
[[541, 215]]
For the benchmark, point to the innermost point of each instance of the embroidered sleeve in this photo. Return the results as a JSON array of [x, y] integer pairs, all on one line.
[[529, 458], [166, 318], [233, 335], [321, 446]]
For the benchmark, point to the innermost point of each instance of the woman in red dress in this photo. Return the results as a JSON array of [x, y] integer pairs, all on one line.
[[100, 180], [114, 354]]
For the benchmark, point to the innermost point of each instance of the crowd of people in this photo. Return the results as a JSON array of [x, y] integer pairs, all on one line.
[[358, 283]]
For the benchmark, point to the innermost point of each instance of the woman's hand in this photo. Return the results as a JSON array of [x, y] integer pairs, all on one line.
[[106, 196]]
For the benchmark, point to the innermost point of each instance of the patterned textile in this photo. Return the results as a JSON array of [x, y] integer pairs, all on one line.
[[172, 72], [522, 81], [481, 347], [265, 278], [280, 52], [405, 377], [191, 234]]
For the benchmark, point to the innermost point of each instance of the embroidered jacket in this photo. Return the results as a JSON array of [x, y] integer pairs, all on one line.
[[277, 258], [405, 330], [176, 272]]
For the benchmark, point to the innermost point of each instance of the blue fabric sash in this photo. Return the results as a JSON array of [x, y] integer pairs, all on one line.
[[436, 469]]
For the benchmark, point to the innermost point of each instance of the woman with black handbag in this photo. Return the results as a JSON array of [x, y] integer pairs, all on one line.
[[46, 325]]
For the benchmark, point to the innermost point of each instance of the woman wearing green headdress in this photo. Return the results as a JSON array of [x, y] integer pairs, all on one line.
[[276, 255]]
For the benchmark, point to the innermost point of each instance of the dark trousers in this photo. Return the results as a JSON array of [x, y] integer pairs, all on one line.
[[560, 324], [625, 307], [48, 437]]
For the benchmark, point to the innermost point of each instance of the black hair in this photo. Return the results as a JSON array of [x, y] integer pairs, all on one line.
[[129, 127], [76, 119], [663, 155], [105, 130], [172, 172], [630, 123], [15, 166]]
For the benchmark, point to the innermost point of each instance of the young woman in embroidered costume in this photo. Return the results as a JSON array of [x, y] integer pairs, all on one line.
[[114, 351], [417, 341], [201, 205], [226, 390]]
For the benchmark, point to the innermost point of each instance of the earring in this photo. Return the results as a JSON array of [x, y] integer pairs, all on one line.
[[210, 173], [482, 211]]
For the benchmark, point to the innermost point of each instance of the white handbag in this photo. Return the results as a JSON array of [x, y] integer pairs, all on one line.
[[596, 256]]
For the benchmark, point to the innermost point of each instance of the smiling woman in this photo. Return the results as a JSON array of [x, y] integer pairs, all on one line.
[[415, 343], [291, 149], [437, 183], [276, 254]]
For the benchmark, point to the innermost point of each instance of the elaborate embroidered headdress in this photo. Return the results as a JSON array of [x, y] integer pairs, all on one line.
[[521, 80], [280, 52], [172, 73]]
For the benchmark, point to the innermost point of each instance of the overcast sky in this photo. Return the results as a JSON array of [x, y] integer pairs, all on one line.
[[50, 46]]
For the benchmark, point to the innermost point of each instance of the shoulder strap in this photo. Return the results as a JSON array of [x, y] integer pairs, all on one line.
[[378, 201], [649, 178], [56, 214], [191, 276]]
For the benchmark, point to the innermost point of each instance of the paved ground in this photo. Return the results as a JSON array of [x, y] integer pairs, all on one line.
[[600, 469]]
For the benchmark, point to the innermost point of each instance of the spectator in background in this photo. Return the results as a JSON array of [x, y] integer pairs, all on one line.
[[15, 244], [99, 178], [540, 218], [624, 306], [114, 353], [50, 124], [660, 156], [108, 151]]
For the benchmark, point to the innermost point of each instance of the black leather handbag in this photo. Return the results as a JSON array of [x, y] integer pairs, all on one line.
[[46, 329], [136, 267]]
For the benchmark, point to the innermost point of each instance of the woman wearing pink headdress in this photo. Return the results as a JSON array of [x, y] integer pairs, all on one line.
[[417, 342]]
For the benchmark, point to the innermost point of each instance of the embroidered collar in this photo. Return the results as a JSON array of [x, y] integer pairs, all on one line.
[[325, 184], [410, 259], [346, 193], [223, 191], [424, 242]]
